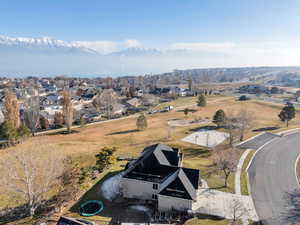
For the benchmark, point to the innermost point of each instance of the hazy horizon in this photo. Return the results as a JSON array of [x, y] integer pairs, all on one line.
[[137, 38]]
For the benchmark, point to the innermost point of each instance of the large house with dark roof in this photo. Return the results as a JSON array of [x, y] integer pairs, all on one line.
[[158, 175]]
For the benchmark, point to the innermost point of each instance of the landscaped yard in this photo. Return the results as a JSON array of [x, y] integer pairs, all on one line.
[[83, 145]]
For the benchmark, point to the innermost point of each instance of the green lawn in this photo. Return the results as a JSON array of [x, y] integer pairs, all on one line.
[[216, 221], [244, 183]]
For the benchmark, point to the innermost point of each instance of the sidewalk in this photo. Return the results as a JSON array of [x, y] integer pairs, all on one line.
[[237, 178]]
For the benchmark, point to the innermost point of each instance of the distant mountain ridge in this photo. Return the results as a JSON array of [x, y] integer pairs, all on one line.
[[44, 44], [137, 52]]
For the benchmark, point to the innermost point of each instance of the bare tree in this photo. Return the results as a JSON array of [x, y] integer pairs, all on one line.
[[225, 160], [106, 99], [32, 113], [32, 173], [12, 112], [97, 103], [58, 119], [238, 211], [244, 122], [67, 110], [231, 124]]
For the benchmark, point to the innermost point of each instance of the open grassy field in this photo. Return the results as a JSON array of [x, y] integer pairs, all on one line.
[[84, 144]]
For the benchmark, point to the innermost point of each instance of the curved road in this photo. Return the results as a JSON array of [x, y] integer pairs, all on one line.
[[274, 187]]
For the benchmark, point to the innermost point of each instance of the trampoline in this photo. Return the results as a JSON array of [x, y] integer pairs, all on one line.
[[91, 208]]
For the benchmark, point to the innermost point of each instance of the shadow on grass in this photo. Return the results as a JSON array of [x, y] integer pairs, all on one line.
[[208, 127], [124, 132], [189, 110], [63, 132], [196, 152], [265, 129], [191, 152], [256, 223], [13, 214], [118, 210]]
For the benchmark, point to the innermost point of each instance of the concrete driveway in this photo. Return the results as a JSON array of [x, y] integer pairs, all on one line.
[[274, 186], [223, 204]]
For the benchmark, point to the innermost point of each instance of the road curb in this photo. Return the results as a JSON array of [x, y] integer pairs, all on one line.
[[296, 164]]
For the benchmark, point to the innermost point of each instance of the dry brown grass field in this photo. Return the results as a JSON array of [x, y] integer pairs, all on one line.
[[85, 143]]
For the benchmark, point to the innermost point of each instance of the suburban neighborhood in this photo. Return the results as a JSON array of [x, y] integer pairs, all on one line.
[[149, 112]]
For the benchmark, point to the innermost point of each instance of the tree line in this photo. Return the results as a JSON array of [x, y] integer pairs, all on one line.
[[16, 128]]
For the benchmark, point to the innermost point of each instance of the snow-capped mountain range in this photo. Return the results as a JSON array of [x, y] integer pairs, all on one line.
[[51, 45], [41, 44]]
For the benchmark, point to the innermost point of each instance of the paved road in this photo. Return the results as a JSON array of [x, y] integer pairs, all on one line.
[[274, 187]]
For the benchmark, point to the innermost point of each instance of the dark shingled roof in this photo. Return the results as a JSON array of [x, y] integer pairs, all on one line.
[[155, 164], [70, 221], [184, 185], [161, 164]]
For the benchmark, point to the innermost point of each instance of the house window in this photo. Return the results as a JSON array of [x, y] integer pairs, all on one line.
[[155, 186], [154, 196]]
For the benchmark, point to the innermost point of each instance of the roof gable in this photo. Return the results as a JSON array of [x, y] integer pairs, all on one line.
[[182, 186]]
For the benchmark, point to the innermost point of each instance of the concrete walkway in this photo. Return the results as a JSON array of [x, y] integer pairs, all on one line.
[[222, 204], [237, 181]]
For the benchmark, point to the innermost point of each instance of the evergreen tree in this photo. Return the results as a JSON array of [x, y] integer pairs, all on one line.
[[105, 158], [8, 132], [287, 113], [201, 102], [141, 122], [219, 118], [23, 131]]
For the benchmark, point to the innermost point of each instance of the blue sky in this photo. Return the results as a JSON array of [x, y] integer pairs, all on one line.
[[221, 33], [154, 22]]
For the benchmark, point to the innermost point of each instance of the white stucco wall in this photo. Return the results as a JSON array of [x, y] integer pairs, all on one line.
[[137, 189], [166, 203]]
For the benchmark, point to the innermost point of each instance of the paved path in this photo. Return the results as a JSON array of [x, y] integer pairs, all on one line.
[[237, 181], [274, 186]]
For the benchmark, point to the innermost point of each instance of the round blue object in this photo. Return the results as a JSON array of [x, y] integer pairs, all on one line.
[[91, 208]]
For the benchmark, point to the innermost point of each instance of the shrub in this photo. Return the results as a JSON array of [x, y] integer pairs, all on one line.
[[141, 122], [8, 132], [201, 102], [23, 131], [105, 158]]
